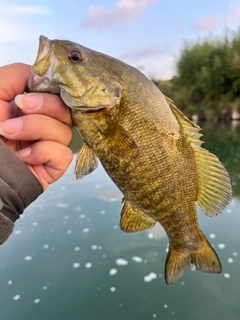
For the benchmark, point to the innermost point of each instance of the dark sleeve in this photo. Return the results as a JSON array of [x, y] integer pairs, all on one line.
[[18, 188]]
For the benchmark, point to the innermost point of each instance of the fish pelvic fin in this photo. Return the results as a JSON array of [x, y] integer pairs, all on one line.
[[204, 258], [86, 162], [133, 219], [214, 186]]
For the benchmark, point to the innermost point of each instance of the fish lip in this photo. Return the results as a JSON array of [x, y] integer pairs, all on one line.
[[42, 83]]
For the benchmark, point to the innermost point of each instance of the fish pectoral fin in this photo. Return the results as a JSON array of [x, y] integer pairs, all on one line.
[[204, 258], [119, 141], [86, 162], [214, 186], [133, 219]]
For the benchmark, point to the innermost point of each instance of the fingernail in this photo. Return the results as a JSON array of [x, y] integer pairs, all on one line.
[[9, 127], [30, 101], [24, 153]]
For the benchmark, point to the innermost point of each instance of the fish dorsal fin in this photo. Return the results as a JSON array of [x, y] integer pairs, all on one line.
[[214, 186], [86, 162], [133, 219], [188, 126]]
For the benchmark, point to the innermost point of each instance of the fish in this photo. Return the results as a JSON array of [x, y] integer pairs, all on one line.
[[148, 147]]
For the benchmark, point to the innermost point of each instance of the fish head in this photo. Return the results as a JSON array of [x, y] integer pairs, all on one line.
[[76, 73]]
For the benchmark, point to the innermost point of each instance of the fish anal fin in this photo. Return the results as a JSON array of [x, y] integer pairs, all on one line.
[[86, 162], [118, 140], [204, 258], [214, 186], [133, 219]]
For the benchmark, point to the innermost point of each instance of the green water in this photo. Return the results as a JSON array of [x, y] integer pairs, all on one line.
[[68, 259]]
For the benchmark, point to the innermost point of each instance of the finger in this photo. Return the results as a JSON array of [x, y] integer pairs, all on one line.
[[9, 110], [48, 160], [46, 104], [36, 127], [13, 80]]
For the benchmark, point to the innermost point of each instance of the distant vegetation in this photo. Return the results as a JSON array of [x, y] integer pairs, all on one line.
[[207, 83]]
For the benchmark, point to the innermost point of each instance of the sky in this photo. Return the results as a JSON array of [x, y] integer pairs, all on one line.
[[147, 34]]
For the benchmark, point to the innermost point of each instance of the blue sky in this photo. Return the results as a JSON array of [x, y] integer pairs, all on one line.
[[147, 34]]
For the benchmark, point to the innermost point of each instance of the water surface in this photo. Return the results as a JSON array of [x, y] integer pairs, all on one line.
[[68, 259]]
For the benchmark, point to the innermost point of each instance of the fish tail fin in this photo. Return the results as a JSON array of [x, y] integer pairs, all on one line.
[[204, 258]]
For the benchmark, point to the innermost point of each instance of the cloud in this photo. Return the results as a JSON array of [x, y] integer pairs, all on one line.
[[234, 13], [140, 53], [124, 12], [15, 10], [158, 67], [207, 23], [154, 61]]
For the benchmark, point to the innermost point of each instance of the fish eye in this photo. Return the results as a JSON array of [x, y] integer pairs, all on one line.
[[75, 56]]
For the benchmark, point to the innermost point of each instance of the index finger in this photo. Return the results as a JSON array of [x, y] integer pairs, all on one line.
[[13, 80], [46, 104]]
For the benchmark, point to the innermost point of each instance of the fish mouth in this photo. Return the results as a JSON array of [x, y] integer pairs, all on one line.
[[42, 83], [42, 74]]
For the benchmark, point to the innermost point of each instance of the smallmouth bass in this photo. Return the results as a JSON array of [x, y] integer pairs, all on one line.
[[147, 146]]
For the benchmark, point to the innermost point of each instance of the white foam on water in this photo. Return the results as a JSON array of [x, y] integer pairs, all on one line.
[[226, 275], [45, 246], [221, 246], [36, 300], [76, 248], [88, 265], [44, 287], [78, 208], [154, 315], [121, 262], [112, 289], [235, 254], [16, 297], [69, 231], [66, 217], [28, 258], [10, 282], [94, 247], [76, 265], [18, 231], [82, 216], [212, 236], [150, 277], [34, 224], [230, 260], [137, 259], [86, 230], [150, 235], [63, 205], [112, 272], [103, 212], [165, 306]]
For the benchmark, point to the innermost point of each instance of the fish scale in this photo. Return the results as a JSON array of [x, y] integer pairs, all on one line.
[[147, 146]]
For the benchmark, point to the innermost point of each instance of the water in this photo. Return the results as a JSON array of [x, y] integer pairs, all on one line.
[[68, 259]]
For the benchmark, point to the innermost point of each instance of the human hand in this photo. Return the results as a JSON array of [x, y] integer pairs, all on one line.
[[36, 126]]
